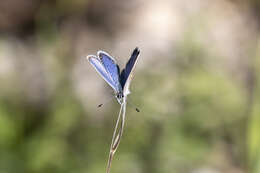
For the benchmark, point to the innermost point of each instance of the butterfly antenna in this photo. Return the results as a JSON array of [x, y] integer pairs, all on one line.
[[108, 100], [133, 106]]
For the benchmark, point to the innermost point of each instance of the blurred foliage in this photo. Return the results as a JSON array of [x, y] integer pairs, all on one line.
[[254, 121]]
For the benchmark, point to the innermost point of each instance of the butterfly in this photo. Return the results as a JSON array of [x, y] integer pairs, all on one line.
[[109, 70]]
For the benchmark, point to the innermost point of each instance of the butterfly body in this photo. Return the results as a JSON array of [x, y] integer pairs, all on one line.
[[108, 69]]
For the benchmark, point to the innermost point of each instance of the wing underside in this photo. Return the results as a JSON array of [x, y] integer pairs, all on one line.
[[127, 73]]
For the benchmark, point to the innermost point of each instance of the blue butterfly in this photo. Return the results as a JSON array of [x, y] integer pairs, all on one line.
[[107, 67]]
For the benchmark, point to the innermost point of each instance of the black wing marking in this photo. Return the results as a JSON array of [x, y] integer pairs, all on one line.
[[129, 66]]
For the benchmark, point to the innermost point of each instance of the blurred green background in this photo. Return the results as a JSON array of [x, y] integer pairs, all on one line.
[[196, 84]]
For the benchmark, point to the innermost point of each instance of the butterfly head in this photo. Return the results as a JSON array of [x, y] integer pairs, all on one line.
[[120, 97]]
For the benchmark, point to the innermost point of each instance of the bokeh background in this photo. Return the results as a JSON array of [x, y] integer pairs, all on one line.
[[196, 84]]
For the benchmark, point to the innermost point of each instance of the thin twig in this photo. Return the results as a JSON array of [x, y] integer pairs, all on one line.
[[117, 136]]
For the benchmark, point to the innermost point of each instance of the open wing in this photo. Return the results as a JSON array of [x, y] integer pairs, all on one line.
[[98, 65], [127, 74], [111, 67]]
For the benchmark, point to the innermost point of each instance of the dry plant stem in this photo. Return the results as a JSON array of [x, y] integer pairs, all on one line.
[[117, 136]]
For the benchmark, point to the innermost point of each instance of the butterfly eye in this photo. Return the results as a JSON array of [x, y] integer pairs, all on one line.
[[120, 95]]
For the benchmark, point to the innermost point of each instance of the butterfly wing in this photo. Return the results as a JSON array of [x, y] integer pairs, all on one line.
[[127, 74], [99, 67], [112, 68]]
